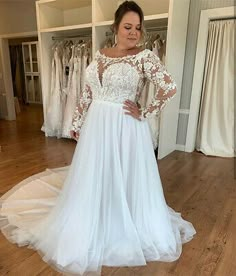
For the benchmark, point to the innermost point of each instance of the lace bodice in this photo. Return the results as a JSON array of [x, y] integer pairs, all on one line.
[[117, 79]]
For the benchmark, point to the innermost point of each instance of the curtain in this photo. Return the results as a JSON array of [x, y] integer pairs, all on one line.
[[215, 133], [13, 59], [17, 70]]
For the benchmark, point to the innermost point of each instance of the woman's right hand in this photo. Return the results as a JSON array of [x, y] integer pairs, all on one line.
[[74, 135]]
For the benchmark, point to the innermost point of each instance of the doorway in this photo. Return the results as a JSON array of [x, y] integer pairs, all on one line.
[[20, 76], [206, 17]]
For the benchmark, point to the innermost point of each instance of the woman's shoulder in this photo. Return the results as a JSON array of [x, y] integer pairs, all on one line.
[[105, 52], [113, 53]]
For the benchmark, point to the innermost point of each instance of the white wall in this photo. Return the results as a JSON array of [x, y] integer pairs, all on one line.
[[17, 17], [196, 6]]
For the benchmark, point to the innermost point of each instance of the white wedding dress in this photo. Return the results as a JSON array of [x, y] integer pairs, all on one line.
[[55, 109], [73, 92], [107, 207]]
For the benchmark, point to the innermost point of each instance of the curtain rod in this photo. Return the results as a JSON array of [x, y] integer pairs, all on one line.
[[224, 18]]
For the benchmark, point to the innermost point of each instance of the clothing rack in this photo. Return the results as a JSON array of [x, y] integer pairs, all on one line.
[[148, 29], [109, 33], [72, 36], [155, 29]]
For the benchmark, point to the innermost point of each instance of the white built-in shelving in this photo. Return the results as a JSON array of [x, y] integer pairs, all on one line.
[[94, 17]]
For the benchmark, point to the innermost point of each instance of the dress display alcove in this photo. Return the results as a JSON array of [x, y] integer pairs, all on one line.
[[72, 17]]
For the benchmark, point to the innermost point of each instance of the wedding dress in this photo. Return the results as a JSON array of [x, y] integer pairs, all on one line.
[[67, 73], [73, 92], [55, 109], [65, 68], [108, 206]]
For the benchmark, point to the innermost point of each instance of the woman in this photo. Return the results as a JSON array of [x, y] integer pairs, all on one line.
[[110, 209]]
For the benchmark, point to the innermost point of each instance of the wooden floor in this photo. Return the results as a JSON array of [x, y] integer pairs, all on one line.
[[201, 188]]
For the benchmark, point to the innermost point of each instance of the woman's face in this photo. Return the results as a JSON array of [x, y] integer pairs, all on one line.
[[129, 30]]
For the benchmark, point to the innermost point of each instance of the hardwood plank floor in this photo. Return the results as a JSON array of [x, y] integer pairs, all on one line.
[[201, 188]]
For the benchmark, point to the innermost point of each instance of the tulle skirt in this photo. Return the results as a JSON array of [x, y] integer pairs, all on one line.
[[106, 208]]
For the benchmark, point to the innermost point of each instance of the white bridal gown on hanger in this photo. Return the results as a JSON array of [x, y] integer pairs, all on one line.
[[55, 109], [108, 206], [73, 91]]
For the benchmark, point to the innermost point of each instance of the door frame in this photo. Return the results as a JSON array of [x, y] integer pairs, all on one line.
[[6, 70], [206, 16]]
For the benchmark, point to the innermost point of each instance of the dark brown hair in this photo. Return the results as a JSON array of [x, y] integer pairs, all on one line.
[[122, 10]]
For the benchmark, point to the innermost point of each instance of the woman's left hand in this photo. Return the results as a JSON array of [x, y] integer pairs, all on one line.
[[133, 109]]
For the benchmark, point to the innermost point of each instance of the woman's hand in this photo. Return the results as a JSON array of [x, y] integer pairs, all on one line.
[[133, 109], [74, 135]]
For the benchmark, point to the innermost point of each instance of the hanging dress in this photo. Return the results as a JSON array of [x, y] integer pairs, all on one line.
[[108, 206], [66, 67], [84, 64], [55, 109], [72, 92]]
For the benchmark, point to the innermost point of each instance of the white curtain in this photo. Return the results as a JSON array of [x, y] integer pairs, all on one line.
[[215, 134]]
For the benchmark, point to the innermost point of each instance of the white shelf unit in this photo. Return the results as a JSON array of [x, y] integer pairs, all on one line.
[[105, 10], [78, 17], [63, 13], [32, 72], [67, 28]]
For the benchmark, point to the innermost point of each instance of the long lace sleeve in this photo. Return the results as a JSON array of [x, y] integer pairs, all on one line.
[[82, 109], [156, 72]]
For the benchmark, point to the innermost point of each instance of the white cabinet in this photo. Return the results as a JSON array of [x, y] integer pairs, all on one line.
[[32, 72], [94, 17]]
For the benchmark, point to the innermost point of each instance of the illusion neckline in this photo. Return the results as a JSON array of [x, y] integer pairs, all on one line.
[[126, 56]]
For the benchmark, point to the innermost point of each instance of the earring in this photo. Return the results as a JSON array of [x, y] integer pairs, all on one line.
[[115, 39]]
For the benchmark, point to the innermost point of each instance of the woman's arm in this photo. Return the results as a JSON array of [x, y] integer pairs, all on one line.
[[156, 72], [81, 111]]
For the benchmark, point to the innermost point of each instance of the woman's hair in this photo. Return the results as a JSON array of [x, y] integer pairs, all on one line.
[[122, 10]]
